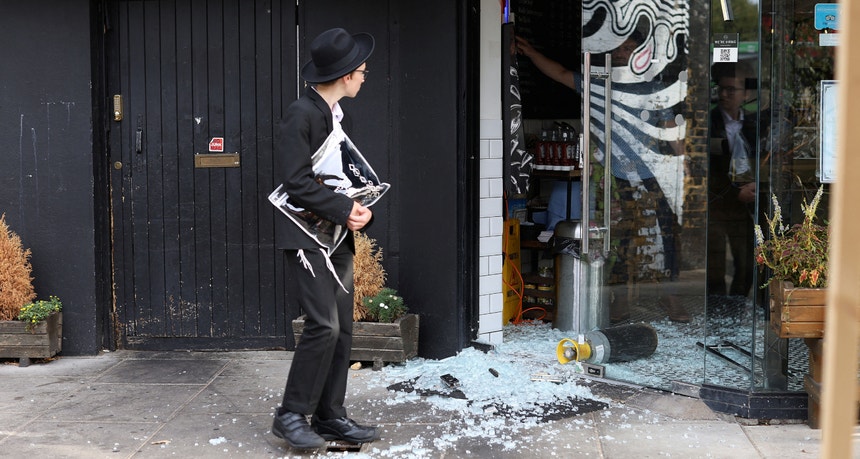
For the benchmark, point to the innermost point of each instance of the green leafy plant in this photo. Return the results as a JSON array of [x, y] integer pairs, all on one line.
[[37, 311], [385, 306], [797, 254]]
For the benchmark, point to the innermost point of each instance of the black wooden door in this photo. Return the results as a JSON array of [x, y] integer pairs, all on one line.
[[194, 259]]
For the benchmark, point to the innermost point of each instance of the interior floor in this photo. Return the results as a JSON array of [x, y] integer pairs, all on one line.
[[723, 344]]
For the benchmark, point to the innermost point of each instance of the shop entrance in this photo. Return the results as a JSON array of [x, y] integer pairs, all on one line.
[[629, 87]]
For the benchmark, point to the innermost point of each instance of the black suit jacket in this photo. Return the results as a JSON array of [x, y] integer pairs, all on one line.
[[306, 124], [722, 193]]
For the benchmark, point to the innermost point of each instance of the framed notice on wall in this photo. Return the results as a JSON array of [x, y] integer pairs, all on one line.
[[827, 154]]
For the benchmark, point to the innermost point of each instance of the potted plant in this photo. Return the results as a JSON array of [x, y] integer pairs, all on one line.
[[797, 259], [382, 329], [28, 329], [368, 274], [386, 306]]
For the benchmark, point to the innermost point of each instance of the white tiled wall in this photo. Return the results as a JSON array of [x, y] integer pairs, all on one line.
[[491, 206]]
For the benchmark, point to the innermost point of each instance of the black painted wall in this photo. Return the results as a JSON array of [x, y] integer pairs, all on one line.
[[417, 106], [436, 236], [54, 169], [46, 146]]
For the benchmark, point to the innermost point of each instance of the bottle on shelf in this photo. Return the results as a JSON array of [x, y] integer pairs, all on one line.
[[579, 148], [542, 151], [555, 148], [570, 147], [566, 147]]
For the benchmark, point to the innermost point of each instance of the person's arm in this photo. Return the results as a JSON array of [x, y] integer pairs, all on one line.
[[300, 134], [546, 65]]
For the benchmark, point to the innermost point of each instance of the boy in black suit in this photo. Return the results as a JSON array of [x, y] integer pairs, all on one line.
[[316, 384]]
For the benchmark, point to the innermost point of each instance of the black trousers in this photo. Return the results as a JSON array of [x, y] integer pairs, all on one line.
[[741, 237], [317, 380]]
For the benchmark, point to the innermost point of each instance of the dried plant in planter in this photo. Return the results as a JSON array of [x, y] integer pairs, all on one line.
[[16, 281], [369, 275]]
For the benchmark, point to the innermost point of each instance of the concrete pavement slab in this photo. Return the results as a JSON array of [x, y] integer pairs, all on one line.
[[413, 410], [123, 403], [201, 435], [75, 439], [572, 437], [230, 394], [178, 371], [35, 394], [248, 367], [98, 407], [12, 422], [790, 441], [622, 430], [62, 366], [671, 405]]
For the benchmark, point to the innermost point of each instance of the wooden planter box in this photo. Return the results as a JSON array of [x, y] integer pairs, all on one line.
[[797, 312], [43, 341], [378, 342]]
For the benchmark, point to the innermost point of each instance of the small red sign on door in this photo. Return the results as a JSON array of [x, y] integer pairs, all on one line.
[[216, 144]]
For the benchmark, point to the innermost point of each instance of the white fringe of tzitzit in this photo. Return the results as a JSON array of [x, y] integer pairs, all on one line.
[[328, 264]]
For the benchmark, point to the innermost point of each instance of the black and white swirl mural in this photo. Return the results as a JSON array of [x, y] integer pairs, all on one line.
[[643, 45], [648, 88]]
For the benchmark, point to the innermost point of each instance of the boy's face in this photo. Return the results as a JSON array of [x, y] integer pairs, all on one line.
[[355, 79]]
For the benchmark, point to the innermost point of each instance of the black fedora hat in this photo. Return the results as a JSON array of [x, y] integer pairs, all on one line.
[[334, 53]]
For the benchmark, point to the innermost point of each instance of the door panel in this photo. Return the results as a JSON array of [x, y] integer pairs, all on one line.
[[635, 197], [635, 192], [195, 263], [194, 258]]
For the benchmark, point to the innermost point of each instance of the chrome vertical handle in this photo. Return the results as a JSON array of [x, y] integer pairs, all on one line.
[[606, 74], [607, 156], [586, 150]]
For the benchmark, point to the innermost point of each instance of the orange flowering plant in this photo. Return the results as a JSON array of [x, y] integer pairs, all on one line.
[[797, 254]]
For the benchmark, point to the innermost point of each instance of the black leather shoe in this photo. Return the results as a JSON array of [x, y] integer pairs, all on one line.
[[294, 428], [344, 429]]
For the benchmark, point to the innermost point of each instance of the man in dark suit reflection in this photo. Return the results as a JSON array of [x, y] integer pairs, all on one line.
[[731, 181]]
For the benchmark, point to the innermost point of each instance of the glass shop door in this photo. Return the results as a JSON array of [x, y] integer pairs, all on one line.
[[665, 270], [642, 280], [616, 74]]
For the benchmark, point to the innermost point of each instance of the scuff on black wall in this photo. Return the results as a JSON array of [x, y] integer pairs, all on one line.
[[46, 140]]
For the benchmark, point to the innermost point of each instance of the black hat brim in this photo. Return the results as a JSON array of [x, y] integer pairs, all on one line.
[[365, 44]]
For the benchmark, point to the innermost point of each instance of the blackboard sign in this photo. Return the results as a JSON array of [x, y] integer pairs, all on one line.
[[554, 28]]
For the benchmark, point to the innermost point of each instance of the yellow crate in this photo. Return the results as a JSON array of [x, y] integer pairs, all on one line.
[[511, 273]]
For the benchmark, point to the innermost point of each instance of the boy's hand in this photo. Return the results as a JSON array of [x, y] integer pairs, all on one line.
[[359, 217]]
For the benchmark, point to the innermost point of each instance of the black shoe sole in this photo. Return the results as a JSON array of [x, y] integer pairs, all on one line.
[[335, 437]]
